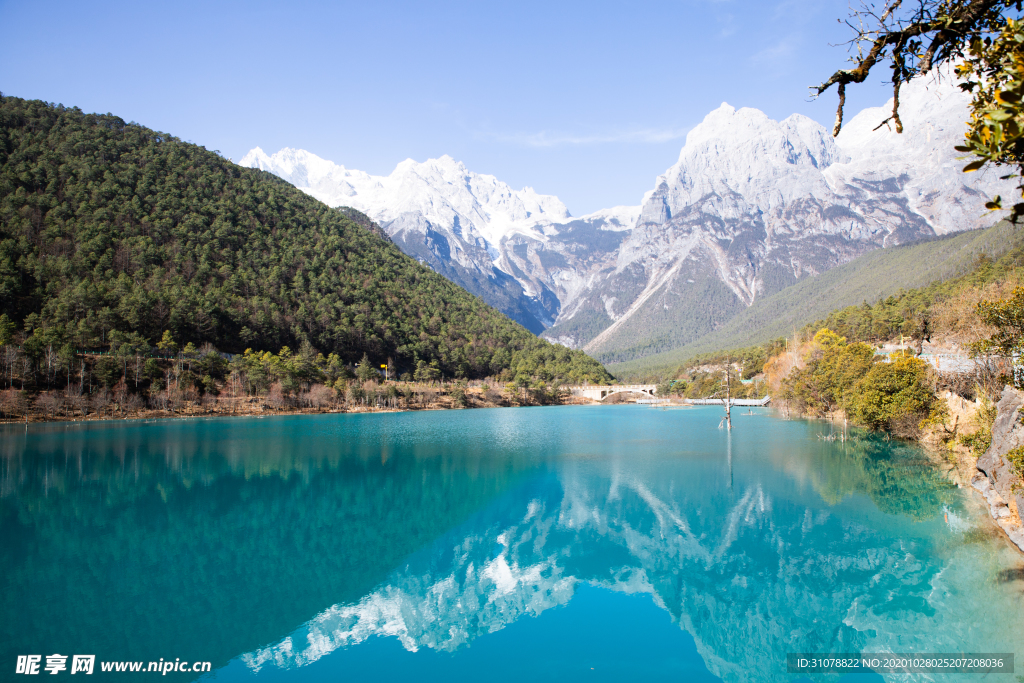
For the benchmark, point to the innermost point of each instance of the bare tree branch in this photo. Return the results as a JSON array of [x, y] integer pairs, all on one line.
[[889, 10], [896, 106], [839, 112]]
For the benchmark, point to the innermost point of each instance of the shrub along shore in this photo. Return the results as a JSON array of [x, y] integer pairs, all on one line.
[[130, 381], [835, 368], [368, 397]]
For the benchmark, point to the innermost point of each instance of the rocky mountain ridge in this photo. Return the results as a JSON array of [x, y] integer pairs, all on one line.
[[519, 250], [751, 206]]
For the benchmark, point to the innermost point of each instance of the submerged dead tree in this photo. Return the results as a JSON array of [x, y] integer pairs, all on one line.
[[727, 420]]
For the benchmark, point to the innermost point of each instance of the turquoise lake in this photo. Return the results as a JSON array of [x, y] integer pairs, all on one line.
[[603, 543]]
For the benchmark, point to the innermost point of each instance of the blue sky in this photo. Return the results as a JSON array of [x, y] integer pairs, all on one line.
[[586, 100]]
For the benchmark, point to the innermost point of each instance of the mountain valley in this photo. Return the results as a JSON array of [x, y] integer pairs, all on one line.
[[751, 207]]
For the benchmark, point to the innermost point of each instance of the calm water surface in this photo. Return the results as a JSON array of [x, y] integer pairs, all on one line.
[[574, 543]]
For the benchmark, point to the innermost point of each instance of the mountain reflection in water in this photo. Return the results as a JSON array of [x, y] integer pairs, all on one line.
[[268, 545]]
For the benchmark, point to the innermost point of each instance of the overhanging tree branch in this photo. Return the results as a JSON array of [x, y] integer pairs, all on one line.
[[947, 25], [985, 44]]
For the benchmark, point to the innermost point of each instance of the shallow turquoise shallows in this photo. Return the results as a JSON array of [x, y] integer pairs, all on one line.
[[605, 543]]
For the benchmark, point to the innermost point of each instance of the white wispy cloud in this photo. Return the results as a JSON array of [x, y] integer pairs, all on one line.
[[546, 138], [728, 24], [781, 50]]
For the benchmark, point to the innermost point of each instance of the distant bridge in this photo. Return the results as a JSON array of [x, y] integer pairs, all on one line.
[[599, 393], [733, 402]]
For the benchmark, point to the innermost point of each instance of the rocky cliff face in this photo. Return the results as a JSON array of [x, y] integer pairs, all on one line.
[[751, 206], [997, 480]]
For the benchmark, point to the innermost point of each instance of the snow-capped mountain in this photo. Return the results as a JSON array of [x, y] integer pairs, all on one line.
[[751, 206], [441, 191], [473, 228], [755, 204]]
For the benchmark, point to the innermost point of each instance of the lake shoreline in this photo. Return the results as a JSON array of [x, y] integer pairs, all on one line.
[[265, 411], [964, 474]]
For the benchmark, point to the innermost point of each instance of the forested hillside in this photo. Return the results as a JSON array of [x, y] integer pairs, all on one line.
[[107, 226], [944, 309], [873, 277]]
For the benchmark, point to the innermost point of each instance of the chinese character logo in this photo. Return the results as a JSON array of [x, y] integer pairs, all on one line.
[[28, 664], [55, 663], [82, 664]]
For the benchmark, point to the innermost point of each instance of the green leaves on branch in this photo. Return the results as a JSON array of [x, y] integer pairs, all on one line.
[[993, 72]]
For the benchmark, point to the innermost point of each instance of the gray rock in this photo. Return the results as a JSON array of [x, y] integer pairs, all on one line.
[[999, 480], [1007, 434]]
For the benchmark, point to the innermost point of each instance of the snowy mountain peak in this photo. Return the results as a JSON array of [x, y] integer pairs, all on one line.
[[444, 166], [445, 215], [255, 158], [751, 205], [437, 188], [616, 218], [325, 180], [727, 122], [751, 134], [755, 204], [743, 152]]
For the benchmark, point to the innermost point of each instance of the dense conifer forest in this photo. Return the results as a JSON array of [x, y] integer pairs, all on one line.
[[112, 233]]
